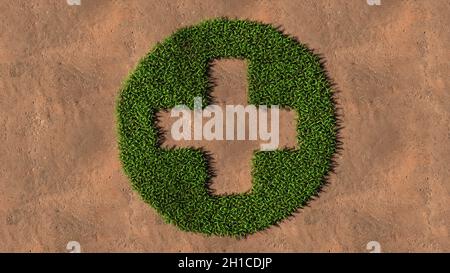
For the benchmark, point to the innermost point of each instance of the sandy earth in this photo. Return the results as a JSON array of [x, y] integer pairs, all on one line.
[[61, 68]]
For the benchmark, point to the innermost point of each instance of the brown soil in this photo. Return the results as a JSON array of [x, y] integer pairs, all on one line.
[[61, 68]]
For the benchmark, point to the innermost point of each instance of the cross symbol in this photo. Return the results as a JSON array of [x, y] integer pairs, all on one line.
[[231, 158]]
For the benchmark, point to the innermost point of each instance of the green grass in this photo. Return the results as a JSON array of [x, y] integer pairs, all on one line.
[[174, 181]]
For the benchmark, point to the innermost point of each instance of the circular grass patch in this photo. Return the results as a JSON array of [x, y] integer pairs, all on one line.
[[174, 181]]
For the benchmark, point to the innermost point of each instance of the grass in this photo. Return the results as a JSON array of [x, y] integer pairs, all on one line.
[[281, 72]]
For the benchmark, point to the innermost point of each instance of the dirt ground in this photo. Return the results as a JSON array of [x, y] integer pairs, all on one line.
[[61, 68]]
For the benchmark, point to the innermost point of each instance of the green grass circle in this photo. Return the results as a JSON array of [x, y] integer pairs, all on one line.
[[174, 181]]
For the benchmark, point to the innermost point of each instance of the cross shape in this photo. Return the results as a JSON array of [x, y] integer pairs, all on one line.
[[231, 158]]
